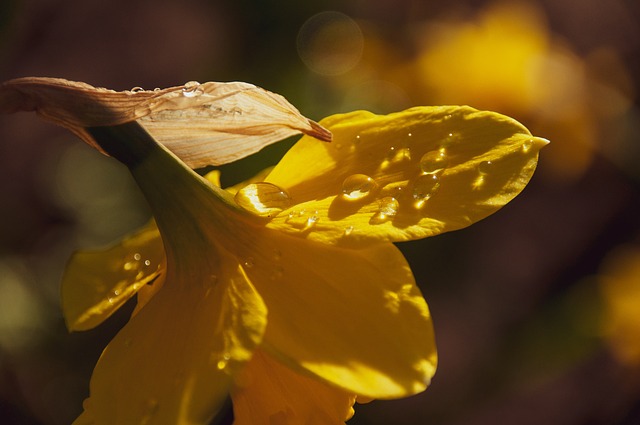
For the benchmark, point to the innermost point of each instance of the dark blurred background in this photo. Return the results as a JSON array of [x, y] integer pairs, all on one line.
[[536, 309]]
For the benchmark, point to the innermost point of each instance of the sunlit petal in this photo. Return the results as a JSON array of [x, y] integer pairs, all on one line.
[[403, 176], [267, 392], [354, 318], [97, 283], [175, 360]]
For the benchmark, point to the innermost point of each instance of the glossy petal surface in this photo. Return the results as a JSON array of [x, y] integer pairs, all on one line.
[[354, 318], [97, 283], [435, 169], [175, 360]]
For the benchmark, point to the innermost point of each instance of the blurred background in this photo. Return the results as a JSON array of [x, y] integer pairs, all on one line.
[[536, 308]]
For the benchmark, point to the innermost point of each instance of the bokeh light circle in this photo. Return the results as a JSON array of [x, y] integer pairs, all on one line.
[[330, 43]]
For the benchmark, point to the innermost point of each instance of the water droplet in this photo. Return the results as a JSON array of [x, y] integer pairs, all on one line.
[[137, 256], [311, 220], [434, 162], [249, 262], [348, 230], [526, 145], [116, 292], [485, 167], [147, 263], [192, 89], [263, 199], [449, 140], [387, 209], [358, 186], [424, 188], [223, 361], [136, 89]]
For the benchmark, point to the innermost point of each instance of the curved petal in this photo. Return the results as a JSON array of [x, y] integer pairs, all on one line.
[[175, 360], [403, 176], [97, 283], [354, 318], [204, 124], [267, 392]]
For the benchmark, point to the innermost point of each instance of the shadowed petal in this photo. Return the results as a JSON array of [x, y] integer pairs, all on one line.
[[267, 392]]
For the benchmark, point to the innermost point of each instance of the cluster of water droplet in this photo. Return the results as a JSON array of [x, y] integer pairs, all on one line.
[[267, 199], [135, 269]]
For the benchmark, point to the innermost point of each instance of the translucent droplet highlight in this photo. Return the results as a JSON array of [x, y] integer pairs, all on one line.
[[311, 221], [387, 209], [434, 162], [485, 167], [424, 188], [263, 199], [358, 186], [192, 89]]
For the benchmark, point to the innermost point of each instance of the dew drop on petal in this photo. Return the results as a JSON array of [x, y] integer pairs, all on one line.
[[485, 167], [223, 361], [424, 188], [434, 162], [192, 89], [387, 209], [263, 199], [526, 145], [348, 230], [249, 262], [137, 256], [311, 220], [147, 263], [136, 89], [358, 186], [448, 141]]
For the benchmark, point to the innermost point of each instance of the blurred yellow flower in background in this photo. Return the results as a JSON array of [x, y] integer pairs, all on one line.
[[505, 59], [620, 288]]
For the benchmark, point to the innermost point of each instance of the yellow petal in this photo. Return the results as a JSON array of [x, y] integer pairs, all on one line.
[[204, 124], [404, 176], [174, 361], [354, 318], [97, 283], [266, 392]]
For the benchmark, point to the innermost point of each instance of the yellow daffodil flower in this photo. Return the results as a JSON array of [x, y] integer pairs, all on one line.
[[286, 292]]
